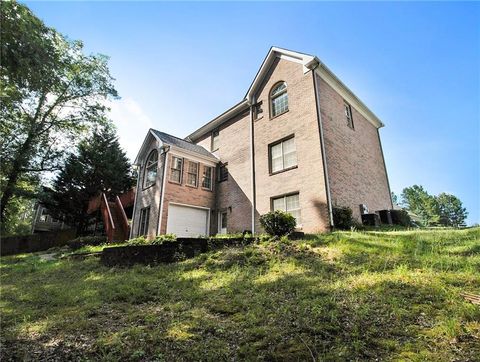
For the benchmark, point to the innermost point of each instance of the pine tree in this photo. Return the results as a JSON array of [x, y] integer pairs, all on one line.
[[452, 212], [99, 165]]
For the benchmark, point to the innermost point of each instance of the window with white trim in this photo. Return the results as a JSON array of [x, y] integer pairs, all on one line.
[[144, 220], [348, 114], [176, 169], [207, 177], [279, 99], [192, 173], [290, 204], [151, 167], [283, 155]]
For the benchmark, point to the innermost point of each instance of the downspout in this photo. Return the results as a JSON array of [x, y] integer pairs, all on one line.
[[324, 155], [137, 191], [252, 165], [385, 168], [165, 150]]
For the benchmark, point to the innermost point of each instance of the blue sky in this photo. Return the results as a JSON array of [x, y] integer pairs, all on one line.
[[416, 65]]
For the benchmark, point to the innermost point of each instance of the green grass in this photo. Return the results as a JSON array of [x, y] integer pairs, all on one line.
[[335, 297]]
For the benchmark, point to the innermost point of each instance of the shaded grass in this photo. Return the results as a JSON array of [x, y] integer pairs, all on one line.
[[340, 296]]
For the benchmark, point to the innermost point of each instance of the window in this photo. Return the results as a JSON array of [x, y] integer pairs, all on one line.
[[290, 204], [144, 220], [192, 173], [223, 172], [222, 222], [176, 169], [207, 177], [215, 138], [279, 99], [257, 111], [283, 155], [348, 114], [151, 168]]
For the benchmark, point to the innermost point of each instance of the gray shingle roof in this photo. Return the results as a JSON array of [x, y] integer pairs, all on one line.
[[175, 141]]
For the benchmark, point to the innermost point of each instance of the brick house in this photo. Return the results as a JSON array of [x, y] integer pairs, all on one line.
[[299, 141]]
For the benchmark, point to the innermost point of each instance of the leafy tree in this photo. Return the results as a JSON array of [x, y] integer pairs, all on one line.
[[452, 212], [394, 198], [419, 202], [51, 94], [278, 223], [99, 165]]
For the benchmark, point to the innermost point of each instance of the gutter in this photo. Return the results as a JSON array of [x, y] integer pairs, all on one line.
[[165, 150], [137, 191], [252, 166]]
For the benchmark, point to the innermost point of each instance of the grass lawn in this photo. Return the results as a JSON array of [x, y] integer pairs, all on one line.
[[340, 296]]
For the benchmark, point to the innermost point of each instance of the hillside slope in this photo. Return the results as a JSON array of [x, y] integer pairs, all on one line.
[[341, 296]]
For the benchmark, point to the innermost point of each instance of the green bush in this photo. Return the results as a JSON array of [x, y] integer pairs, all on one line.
[[342, 218], [158, 240], [400, 217], [82, 241], [278, 223]]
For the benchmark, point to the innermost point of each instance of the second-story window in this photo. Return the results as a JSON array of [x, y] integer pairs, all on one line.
[[279, 99], [176, 169], [151, 168], [348, 114], [192, 173], [207, 177], [215, 138], [283, 155], [223, 172]]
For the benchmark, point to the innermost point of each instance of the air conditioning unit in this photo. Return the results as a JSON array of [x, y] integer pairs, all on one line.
[[363, 209]]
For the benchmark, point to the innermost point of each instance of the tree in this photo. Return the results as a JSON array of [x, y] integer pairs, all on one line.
[[51, 94], [452, 212], [419, 202], [394, 198], [99, 165]]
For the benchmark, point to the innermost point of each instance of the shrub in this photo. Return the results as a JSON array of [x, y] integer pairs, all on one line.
[[278, 223], [400, 217], [342, 218], [158, 240], [80, 242]]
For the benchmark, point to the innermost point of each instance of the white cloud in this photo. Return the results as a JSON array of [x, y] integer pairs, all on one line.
[[132, 124]]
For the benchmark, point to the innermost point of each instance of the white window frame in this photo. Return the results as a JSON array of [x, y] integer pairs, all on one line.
[[205, 167], [274, 113], [270, 155], [197, 164], [144, 221], [149, 165], [284, 197], [173, 168]]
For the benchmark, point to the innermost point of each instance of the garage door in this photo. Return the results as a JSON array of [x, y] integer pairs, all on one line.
[[186, 221]]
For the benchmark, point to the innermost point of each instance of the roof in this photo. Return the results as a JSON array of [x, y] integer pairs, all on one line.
[[181, 143], [309, 62]]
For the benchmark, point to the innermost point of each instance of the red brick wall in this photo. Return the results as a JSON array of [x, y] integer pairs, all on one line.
[[301, 120], [185, 194], [354, 158]]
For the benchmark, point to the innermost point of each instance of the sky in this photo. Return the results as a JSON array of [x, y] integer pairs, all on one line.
[[415, 65]]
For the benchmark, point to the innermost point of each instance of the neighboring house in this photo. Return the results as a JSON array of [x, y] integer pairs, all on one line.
[[44, 222], [299, 141]]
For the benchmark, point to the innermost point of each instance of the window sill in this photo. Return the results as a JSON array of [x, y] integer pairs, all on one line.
[[284, 170], [207, 189], [192, 186], [175, 182], [280, 114]]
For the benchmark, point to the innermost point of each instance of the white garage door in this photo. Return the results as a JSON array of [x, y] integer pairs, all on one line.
[[185, 221]]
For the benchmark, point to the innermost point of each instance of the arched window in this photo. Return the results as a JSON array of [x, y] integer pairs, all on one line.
[[279, 99], [151, 169]]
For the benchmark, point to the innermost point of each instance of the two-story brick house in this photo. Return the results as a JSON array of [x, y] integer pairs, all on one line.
[[299, 141]]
